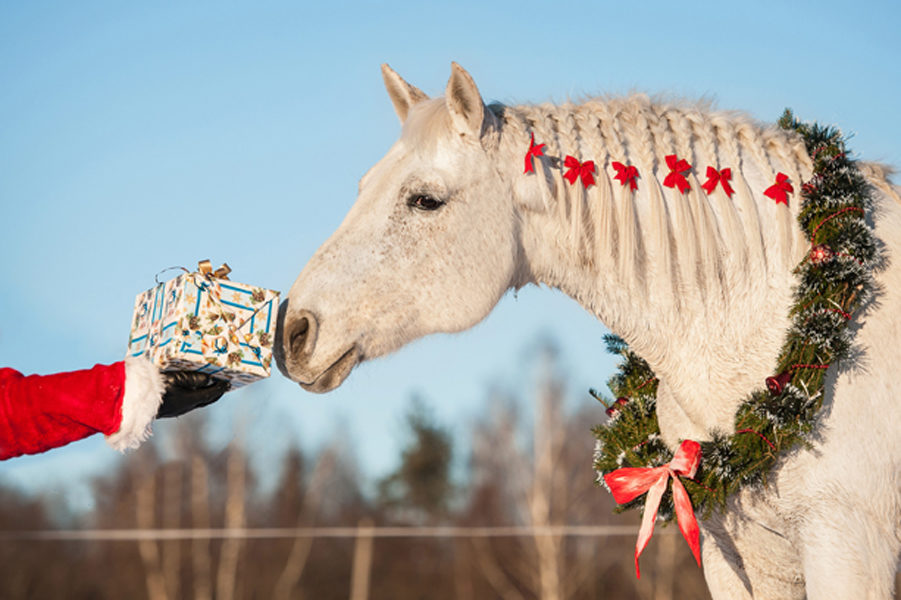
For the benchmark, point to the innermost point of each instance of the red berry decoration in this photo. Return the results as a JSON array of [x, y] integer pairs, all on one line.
[[777, 384], [820, 254], [622, 401]]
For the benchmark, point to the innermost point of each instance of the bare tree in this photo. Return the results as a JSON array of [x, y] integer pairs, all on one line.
[[362, 565], [306, 515], [538, 476], [171, 509], [201, 561], [145, 510], [236, 470]]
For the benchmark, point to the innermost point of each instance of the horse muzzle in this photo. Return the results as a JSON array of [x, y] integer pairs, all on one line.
[[296, 335]]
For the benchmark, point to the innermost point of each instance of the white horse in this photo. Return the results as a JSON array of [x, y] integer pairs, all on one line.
[[700, 286]]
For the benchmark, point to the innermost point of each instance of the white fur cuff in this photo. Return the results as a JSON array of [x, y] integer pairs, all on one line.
[[141, 401]]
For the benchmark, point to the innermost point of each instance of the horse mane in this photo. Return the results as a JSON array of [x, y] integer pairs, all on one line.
[[686, 241]]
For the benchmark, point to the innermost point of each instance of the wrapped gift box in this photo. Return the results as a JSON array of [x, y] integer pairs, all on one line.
[[201, 322]]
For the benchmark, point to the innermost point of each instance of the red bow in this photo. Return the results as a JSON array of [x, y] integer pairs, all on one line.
[[584, 170], [628, 483], [534, 150], [721, 177], [780, 190], [627, 175], [676, 178]]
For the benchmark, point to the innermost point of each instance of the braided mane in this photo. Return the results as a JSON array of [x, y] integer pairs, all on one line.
[[697, 243]]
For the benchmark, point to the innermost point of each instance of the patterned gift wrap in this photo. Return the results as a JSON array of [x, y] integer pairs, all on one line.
[[199, 322]]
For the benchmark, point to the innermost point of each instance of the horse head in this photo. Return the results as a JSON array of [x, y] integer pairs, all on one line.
[[430, 245]]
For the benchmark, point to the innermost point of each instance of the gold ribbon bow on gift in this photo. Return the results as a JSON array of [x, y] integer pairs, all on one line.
[[206, 268]]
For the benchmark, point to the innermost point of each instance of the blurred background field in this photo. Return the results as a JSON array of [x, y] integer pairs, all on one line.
[[514, 514]]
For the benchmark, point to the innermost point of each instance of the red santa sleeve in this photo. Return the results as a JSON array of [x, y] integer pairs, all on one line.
[[40, 412]]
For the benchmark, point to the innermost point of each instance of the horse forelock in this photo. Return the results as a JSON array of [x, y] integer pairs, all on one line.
[[427, 123]]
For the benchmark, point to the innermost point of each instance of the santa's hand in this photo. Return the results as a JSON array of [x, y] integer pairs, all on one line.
[[187, 390]]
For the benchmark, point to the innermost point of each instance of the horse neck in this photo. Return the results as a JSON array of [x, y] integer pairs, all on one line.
[[697, 284]]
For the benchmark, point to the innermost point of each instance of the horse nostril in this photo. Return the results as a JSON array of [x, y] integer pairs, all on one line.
[[299, 336]]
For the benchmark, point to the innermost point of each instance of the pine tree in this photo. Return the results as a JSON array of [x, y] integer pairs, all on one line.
[[420, 488]]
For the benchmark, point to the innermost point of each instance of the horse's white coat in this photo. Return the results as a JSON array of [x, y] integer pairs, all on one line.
[[698, 285]]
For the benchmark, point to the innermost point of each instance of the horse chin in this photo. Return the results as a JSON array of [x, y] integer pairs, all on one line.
[[334, 375]]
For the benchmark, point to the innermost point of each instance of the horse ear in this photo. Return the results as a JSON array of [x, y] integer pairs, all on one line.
[[402, 94], [464, 101]]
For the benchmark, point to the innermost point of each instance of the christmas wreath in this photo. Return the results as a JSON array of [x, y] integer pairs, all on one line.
[[834, 281]]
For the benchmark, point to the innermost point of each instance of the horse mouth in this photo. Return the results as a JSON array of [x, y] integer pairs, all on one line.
[[334, 375]]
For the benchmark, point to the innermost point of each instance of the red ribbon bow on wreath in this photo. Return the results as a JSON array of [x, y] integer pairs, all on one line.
[[722, 177], [780, 190], [534, 150], [583, 170], [676, 178], [628, 483], [627, 175]]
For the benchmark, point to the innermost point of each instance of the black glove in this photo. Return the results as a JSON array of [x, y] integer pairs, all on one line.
[[187, 390]]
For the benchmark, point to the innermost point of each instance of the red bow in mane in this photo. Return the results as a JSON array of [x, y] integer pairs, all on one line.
[[780, 190], [628, 483], [534, 150], [583, 170], [627, 175], [677, 168], [721, 177]]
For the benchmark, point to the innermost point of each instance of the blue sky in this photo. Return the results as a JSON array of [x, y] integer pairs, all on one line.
[[136, 136]]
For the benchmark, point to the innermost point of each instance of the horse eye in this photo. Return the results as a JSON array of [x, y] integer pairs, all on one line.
[[423, 202]]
